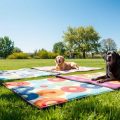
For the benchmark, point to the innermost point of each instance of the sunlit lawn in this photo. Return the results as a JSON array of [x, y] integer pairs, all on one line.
[[100, 107]]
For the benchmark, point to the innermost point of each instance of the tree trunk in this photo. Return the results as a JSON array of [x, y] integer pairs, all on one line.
[[84, 56], [92, 55]]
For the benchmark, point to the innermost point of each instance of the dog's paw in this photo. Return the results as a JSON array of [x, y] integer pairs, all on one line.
[[100, 81]]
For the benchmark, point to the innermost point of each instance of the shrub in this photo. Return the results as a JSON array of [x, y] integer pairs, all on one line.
[[52, 55], [36, 57], [44, 54], [20, 55]]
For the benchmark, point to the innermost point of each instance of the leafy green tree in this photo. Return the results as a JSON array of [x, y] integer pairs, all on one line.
[[17, 50], [82, 39], [6, 46], [108, 45], [59, 48]]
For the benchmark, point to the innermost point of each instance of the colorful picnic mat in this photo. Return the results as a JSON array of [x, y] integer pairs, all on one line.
[[23, 73], [87, 79], [51, 68], [47, 92]]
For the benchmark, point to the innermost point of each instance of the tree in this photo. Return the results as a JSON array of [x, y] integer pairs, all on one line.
[[82, 39], [17, 50], [108, 45], [6, 47], [59, 48]]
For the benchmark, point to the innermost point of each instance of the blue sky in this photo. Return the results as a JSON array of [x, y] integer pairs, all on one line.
[[36, 24]]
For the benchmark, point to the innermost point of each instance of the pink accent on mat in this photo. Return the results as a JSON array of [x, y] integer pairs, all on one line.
[[87, 79]]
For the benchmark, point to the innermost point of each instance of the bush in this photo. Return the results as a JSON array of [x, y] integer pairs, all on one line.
[[52, 55], [44, 54], [36, 57], [20, 55]]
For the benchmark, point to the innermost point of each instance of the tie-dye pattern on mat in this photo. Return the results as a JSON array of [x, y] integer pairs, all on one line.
[[23, 73], [81, 69], [87, 79], [47, 92]]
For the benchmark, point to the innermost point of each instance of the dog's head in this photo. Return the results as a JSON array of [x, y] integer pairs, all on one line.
[[111, 57], [59, 60]]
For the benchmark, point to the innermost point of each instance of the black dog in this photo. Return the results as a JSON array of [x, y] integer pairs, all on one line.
[[112, 68]]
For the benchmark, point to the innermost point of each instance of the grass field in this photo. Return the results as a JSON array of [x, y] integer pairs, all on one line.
[[101, 107]]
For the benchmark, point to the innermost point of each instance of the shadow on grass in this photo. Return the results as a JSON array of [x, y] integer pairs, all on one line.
[[14, 108], [91, 109]]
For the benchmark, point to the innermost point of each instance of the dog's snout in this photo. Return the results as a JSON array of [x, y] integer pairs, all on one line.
[[109, 58], [59, 61]]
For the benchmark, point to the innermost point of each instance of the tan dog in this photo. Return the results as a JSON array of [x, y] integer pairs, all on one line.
[[61, 65]]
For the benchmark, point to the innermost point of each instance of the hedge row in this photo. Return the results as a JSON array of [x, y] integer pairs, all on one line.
[[42, 55]]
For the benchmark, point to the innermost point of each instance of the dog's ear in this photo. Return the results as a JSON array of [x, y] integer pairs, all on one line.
[[56, 60], [117, 56]]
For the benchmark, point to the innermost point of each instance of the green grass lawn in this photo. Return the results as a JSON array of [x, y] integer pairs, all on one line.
[[100, 107]]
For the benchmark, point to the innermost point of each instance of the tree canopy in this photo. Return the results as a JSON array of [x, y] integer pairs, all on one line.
[[82, 39], [6, 46], [16, 50], [59, 48], [108, 45]]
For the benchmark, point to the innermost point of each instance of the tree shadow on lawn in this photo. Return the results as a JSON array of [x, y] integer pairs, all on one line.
[[17, 113], [92, 108], [9, 106], [14, 108]]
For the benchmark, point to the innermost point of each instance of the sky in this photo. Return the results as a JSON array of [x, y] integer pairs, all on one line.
[[37, 24]]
